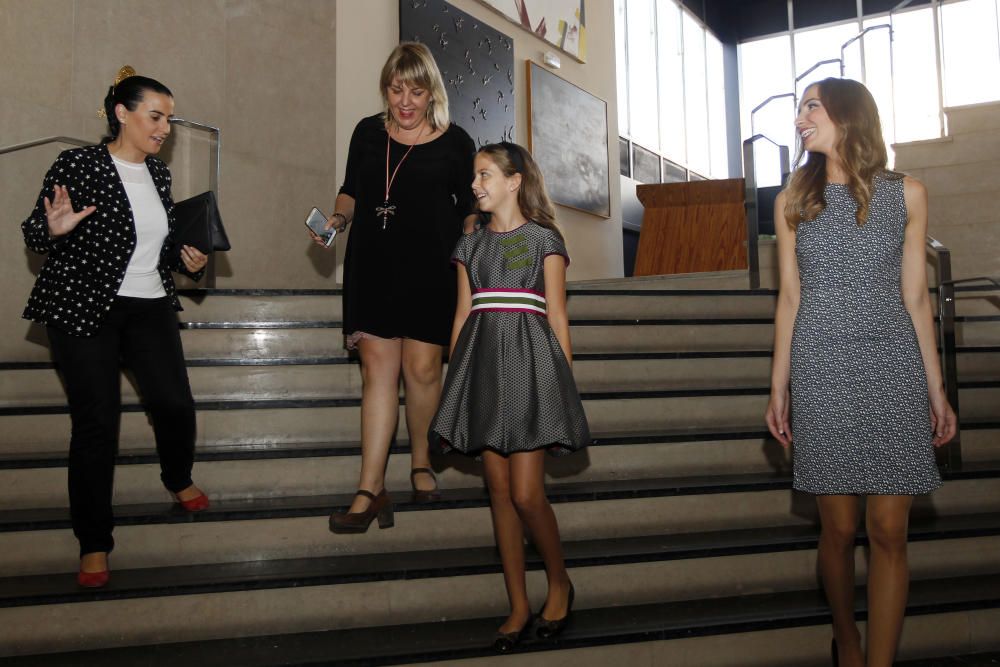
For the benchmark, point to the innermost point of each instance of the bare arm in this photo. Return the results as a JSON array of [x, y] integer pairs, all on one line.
[[555, 302], [469, 223], [918, 305], [784, 321], [464, 306]]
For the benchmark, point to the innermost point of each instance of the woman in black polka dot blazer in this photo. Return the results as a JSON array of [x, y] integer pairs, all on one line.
[[106, 296]]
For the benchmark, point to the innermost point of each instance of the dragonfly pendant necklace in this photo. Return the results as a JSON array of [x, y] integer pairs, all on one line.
[[387, 209]]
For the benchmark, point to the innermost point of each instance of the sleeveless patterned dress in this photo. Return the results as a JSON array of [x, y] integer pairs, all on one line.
[[509, 387], [860, 414]]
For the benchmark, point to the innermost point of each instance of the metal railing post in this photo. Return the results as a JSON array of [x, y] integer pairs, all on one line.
[[950, 456]]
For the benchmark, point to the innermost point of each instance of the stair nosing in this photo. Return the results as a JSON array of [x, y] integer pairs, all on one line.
[[57, 518], [600, 626], [465, 561]]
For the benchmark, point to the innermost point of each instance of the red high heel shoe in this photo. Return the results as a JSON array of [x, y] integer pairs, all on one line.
[[197, 504], [93, 579]]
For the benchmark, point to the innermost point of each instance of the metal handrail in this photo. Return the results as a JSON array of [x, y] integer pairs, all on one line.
[[949, 457], [816, 66], [752, 208], [46, 140], [764, 104]]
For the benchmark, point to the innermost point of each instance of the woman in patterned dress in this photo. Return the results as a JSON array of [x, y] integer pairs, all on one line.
[[105, 294], [855, 359], [509, 395]]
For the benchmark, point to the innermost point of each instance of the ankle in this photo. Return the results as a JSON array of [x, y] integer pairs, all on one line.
[[95, 561]]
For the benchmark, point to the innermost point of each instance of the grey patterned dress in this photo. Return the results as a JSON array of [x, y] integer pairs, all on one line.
[[509, 387], [860, 415]]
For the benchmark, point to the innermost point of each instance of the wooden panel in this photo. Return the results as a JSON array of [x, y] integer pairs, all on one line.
[[692, 227]]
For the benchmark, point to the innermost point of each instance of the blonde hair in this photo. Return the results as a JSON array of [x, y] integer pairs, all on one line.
[[859, 146], [532, 198], [414, 65]]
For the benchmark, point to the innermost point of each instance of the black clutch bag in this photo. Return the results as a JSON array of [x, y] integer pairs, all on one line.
[[198, 224]]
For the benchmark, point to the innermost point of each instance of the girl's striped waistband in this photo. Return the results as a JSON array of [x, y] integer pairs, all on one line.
[[509, 300]]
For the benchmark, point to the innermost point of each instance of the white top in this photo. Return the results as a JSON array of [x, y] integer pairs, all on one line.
[[142, 279]]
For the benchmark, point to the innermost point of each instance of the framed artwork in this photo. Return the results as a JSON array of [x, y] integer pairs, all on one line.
[[568, 137], [476, 63], [559, 22]]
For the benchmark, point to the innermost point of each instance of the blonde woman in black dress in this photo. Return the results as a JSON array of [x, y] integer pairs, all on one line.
[[406, 190], [855, 359]]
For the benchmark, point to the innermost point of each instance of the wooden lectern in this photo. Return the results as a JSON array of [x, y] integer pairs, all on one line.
[[692, 227]]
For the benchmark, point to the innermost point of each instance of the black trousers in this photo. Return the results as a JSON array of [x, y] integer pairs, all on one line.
[[142, 335]]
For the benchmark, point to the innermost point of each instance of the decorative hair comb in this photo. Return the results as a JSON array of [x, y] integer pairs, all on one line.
[[125, 72]]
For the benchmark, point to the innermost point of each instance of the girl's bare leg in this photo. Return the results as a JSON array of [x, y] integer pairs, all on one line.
[[528, 493], [509, 534]]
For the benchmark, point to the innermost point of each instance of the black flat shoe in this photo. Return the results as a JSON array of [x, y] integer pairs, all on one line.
[[546, 629], [505, 642]]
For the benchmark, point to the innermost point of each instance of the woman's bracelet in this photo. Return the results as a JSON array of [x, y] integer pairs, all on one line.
[[342, 217]]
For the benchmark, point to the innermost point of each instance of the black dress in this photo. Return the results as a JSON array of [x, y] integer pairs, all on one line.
[[399, 281]]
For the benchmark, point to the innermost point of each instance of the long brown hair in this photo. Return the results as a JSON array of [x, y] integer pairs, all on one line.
[[859, 145], [532, 198]]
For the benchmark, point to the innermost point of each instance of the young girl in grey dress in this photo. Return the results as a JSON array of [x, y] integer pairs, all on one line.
[[509, 395], [855, 359]]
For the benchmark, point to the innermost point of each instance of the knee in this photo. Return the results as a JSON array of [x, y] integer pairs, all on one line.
[[421, 371], [176, 407], [887, 534], [528, 501], [840, 536]]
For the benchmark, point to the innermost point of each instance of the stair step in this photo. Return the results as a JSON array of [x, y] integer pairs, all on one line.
[[34, 541], [280, 573], [601, 626]]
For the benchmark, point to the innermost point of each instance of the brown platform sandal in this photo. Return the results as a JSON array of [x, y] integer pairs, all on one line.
[[424, 496], [358, 522]]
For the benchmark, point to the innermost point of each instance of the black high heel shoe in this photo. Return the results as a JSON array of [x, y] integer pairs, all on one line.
[[834, 656], [547, 629], [505, 642], [424, 496], [358, 522]]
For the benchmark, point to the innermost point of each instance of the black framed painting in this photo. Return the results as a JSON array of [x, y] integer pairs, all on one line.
[[568, 136], [476, 63]]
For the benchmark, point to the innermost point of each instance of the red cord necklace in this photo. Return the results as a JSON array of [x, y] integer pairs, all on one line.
[[387, 209]]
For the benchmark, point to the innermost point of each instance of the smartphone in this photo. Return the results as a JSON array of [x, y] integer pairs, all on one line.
[[316, 221]]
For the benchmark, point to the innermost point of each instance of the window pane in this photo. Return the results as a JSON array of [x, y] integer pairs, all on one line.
[[621, 67], [915, 76], [695, 95], [878, 76], [643, 115], [765, 70], [671, 72], [813, 46], [646, 165], [971, 53], [717, 134]]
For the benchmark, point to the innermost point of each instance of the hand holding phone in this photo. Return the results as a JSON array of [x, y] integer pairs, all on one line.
[[316, 223]]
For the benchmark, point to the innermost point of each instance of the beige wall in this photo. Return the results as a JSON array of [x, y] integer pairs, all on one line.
[[262, 70], [285, 80], [367, 31]]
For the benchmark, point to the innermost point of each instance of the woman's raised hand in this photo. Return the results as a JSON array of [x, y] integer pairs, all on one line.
[[62, 219]]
